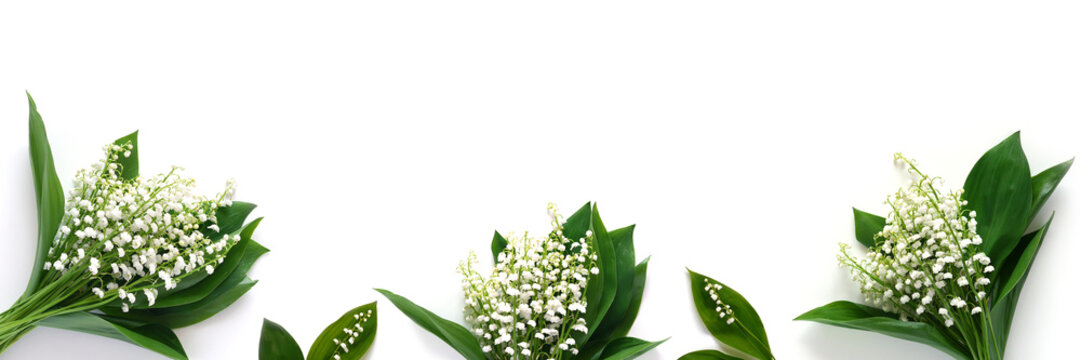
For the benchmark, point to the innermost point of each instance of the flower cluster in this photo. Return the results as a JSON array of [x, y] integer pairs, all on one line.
[[125, 237], [535, 298], [351, 333], [723, 310], [927, 263]]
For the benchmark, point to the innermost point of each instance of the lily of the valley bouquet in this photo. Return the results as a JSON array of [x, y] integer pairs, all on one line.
[[129, 256], [945, 267], [572, 294]]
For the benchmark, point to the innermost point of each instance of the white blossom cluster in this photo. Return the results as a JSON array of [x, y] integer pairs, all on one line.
[[723, 310], [927, 263], [350, 334], [122, 238], [534, 302]]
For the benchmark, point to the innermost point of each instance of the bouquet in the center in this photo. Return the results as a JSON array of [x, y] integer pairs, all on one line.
[[572, 294]]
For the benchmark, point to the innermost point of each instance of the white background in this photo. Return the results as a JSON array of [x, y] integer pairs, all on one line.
[[385, 140]]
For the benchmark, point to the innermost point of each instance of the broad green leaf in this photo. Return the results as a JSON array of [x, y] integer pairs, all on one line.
[[999, 189], [457, 336], [48, 193], [746, 333], [231, 218], [153, 337], [623, 244], [275, 343], [867, 226], [600, 288], [707, 355], [575, 226], [233, 260], [1044, 183], [190, 314], [624, 327], [1011, 280], [861, 317], [129, 166], [498, 244], [626, 348], [324, 346]]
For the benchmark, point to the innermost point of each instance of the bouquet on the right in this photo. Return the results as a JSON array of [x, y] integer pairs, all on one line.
[[945, 267]]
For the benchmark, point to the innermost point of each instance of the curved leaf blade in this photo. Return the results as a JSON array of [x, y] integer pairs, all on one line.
[[867, 226], [746, 334], [626, 348], [1044, 183], [129, 166], [275, 343], [152, 337], [324, 346], [999, 189], [861, 317], [1011, 280], [48, 192], [498, 244], [707, 355], [457, 336]]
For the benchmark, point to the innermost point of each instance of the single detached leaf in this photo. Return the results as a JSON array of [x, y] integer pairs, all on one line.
[[861, 317], [1044, 183], [867, 226], [48, 193], [746, 333], [498, 244], [999, 189], [626, 348], [153, 337], [457, 336], [275, 343], [129, 166], [1011, 280], [707, 355], [325, 347]]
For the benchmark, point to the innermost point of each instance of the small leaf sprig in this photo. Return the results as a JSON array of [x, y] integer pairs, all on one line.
[[571, 295], [347, 338], [945, 268], [730, 318], [129, 256]]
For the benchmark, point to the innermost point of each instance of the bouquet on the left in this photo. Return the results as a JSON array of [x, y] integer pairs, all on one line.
[[127, 256]]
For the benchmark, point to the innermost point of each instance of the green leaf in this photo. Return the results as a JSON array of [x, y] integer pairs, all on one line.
[[498, 244], [623, 244], [275, 343], [627, 320], [190, 314], [237, 258], [861, 317], [575, 226], [324, 346], [48, 193], [707, 355], [129, 166], [1011, 280], [153, 337], [867, 226], [746, 334], [999, 189], [628, 348], [1044, 183], [457, 336], [600, 288], [231, 218]]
